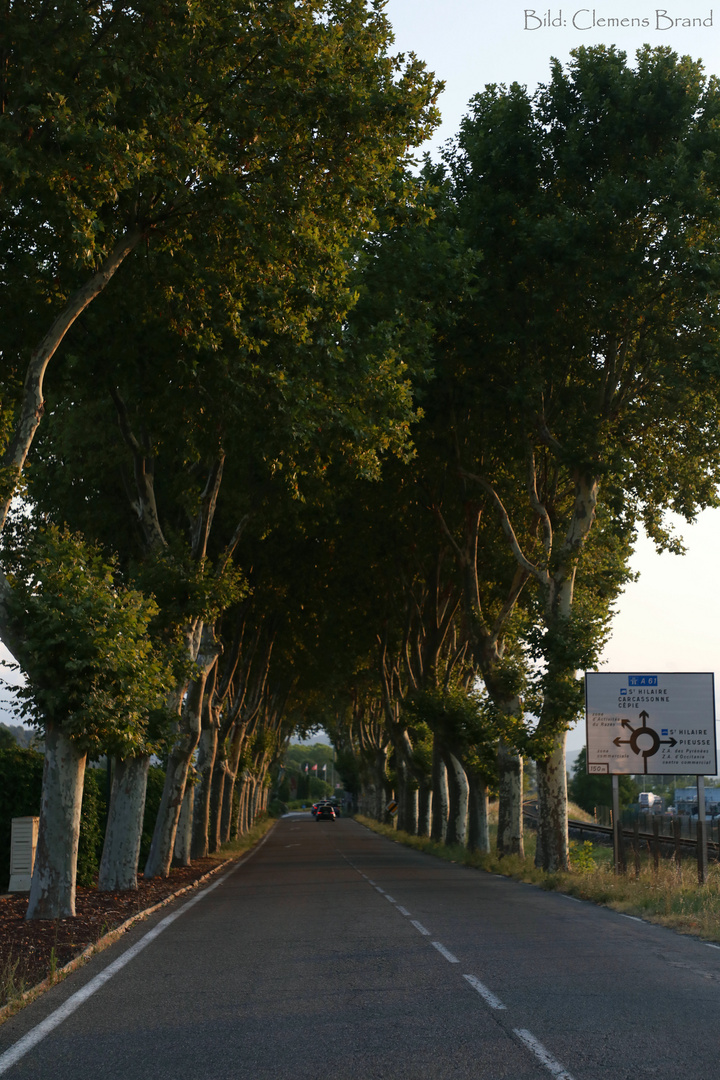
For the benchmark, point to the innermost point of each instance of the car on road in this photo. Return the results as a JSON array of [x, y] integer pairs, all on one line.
[[325, 812]]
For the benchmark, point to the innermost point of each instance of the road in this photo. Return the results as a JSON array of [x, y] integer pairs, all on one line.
[[332, 952]]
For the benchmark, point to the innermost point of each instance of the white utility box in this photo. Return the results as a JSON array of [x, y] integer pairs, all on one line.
[[23, 842]]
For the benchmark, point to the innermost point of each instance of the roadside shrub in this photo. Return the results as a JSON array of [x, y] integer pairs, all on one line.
[[92, 826]]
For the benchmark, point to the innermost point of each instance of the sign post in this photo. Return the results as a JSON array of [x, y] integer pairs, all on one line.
[[701, 832], [662, 724], [618, 852]]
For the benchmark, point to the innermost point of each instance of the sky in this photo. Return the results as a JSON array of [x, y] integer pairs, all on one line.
[[667, 620]]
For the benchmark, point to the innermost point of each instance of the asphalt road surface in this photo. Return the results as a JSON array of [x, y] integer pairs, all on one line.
[[333, 953]]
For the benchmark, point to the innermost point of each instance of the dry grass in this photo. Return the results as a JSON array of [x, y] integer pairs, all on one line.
[[670, 897]]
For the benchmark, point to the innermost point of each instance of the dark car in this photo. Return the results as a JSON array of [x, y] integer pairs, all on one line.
[[325, 812]]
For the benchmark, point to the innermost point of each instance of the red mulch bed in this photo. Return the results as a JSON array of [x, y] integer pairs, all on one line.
[[30, 944]]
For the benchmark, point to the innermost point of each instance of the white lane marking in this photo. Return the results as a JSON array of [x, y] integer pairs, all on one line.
[[420, 927], [493, 1002], [558, 1071], [37, 1034], [292, 845], [707, 943], [448, 955], [390, 899], [380, 890], [574, 898], [633, 917], [369, 881], [404, 911]]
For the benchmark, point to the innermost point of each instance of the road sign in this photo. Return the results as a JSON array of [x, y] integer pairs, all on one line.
[[392, 807], [650, 723]]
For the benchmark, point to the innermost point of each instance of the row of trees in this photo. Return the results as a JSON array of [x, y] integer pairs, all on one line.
[[563, 295], [185, 188], [322, 440]]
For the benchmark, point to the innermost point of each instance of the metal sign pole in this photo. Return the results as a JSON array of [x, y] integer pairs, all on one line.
[[617, 836], [701, 832]]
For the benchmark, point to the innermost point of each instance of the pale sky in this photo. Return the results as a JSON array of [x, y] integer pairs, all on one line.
[[666, 621]]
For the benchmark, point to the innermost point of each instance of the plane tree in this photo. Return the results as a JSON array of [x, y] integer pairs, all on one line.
[[95, 679], [130, 127], [595, 332]]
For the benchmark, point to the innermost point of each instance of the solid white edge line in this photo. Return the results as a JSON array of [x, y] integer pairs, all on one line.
[[30, 1040], [633, 917], [420, 927], [707, 943], [492, 1001], [404, 911], [558, 1070], [573, 898], [445, 952]]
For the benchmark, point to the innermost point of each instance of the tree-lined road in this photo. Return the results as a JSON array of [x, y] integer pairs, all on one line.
[[334, 952]]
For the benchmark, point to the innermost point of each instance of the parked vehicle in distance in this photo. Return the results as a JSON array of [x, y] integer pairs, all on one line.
[[648, 800], [325, 812]]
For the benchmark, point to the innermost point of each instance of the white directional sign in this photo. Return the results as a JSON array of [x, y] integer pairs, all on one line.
[[655, 722]]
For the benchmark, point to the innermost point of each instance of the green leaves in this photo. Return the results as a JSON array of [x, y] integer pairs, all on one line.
[[86, 650]]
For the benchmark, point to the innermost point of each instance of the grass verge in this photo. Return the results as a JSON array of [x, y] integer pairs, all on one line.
[[670, 897]]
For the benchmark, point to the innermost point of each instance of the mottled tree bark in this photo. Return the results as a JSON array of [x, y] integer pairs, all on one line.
[[439, 796], [183, 836], [458, 801], [52, 889], [478, 824], [123, 833], [424, 808], [207, 749], [510, 819], [553, 847]]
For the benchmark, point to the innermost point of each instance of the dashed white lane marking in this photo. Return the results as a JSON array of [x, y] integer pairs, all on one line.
[[633, 917], [380, 890], [537, 1048], [445, 952], [574, 898], [404, 911], [420, 927], [37, 1034], [390, 899], [493, 1002], [292, 845]]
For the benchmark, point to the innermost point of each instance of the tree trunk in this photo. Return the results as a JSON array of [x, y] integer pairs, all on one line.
[[424, 808], [33, 405], [189, 726], [458, 802], [123, 833], [219, 783], [241, 827], [553, 846], [478, 825], [510, 819], [183, 836], [228, 799], [207, 748], [52, 889], [439, 796]]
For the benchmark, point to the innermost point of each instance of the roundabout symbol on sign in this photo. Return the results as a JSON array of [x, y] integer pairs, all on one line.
[[643, 740]]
